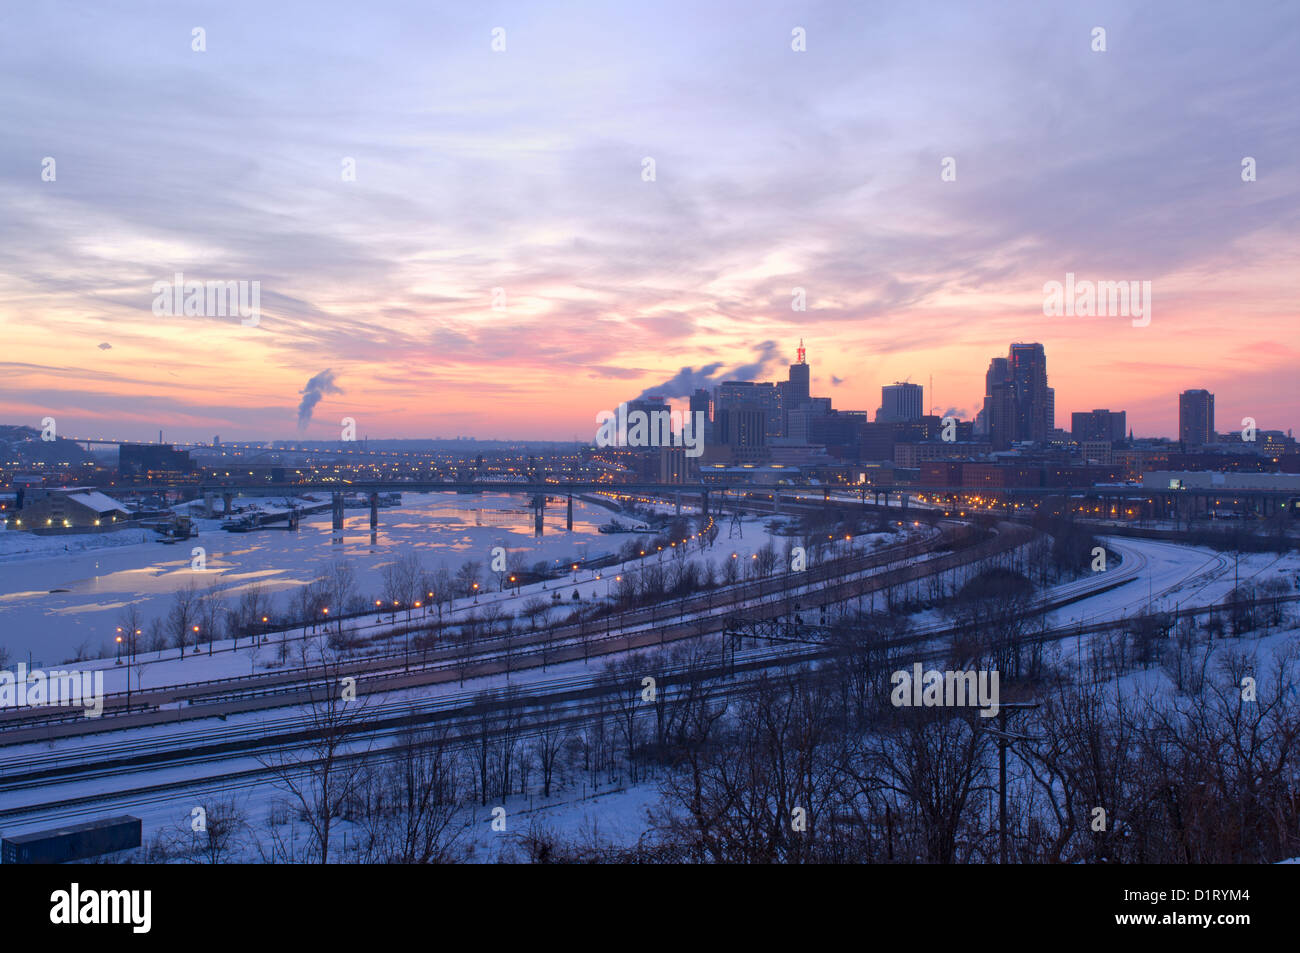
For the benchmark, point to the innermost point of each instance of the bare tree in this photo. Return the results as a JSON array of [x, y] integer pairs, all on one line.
[[183, 615], [403, 582], [763, 792], [932, 766], [251, 608], [214, 832], [536, 609], [322, 775], [211, 615], [467, 577], [407, 809], [340, 586], [552, 736], [157, 635]]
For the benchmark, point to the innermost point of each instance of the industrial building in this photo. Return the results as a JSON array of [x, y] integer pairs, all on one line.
[[58, 508]]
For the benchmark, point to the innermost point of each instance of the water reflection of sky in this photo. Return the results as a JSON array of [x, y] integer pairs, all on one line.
[[442, 528]]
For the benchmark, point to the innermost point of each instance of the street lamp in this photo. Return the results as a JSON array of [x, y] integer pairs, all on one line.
[[130, 651]]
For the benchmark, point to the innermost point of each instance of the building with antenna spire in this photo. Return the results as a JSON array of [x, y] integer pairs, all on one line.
[[798, 386], [772, 402]]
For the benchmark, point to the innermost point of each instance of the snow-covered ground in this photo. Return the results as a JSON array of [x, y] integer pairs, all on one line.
[[444, 529], [16, 544], [1167, 575], [226, 659], [1174, 576]]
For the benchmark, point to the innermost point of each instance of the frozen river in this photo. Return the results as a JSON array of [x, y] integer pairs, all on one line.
[[445, 529]]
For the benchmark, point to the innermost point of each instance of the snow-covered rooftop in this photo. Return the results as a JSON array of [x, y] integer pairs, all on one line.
[[97, 501]]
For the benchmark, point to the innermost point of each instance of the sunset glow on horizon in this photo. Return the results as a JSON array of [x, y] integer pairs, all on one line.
[[522, 171]]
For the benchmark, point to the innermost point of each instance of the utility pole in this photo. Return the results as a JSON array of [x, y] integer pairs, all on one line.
[[1005, 739], [1236, 589]]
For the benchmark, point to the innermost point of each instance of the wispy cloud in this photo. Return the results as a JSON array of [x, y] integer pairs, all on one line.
[[521, 171]]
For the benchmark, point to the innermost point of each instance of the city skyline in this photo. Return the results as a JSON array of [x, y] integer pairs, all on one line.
[[693, 434], [724, 385], [827, 178]]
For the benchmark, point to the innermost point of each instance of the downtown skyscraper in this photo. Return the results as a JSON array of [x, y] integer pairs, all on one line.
[[900, 403], [1018, 404], [1196, 417]]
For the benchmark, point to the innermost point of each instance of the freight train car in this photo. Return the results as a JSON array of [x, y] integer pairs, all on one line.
[[77, 842]]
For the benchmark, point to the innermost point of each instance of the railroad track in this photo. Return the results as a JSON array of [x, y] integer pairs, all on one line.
[[17, 726], [573, 700]]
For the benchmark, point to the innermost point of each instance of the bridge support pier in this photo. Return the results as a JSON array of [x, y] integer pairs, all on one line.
[[568, 514], [374, 512], [226, 499], [539, 514], [336, 509]]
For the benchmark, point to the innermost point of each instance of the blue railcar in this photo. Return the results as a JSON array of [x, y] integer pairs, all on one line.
[[76, 842]]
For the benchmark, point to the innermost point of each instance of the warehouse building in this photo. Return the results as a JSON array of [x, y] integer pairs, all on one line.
[[61, 508]]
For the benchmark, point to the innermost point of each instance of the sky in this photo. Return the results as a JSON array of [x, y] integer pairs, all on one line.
[[516, 177]]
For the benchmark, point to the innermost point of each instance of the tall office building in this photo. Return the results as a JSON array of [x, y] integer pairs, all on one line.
[[900, 402], [1035, 401], [1018, 404], [702, 402], [999, 404], [741, 428], [795, 391], [749, 415], [798, 388], [765, 397], [1196, 417]]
